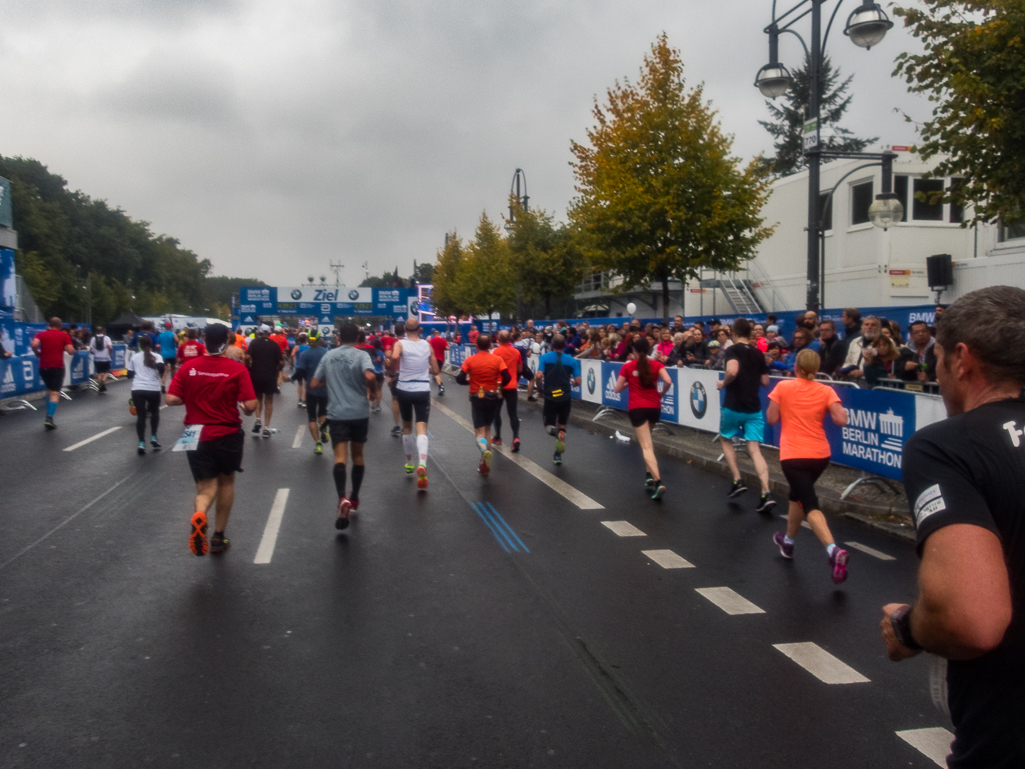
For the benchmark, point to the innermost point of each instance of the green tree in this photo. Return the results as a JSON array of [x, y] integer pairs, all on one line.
[[486, 280], [447, 294], [546, 262], [660, 196], [973, 70], [423, 273], [787, 123]]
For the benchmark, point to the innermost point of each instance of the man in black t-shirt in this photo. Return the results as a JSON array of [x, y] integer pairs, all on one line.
[[746, 372], [264, 359], [965, 480]]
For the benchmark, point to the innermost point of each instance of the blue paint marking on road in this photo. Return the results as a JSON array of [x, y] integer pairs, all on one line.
[[508, 528], [490, 526], [498, 527]]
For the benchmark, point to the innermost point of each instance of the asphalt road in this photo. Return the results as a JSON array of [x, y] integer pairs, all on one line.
[[489, 622]]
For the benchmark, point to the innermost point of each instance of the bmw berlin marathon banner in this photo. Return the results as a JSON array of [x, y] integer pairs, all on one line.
[[326, 302]]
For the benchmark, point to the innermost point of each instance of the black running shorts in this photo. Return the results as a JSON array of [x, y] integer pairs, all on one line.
[[264, 384], [410, 403], [557, 412], [801, 474], [484, 410], [102, 366], [348, 430], [220, 456], [53, 378], [639, 416], [316, 407]]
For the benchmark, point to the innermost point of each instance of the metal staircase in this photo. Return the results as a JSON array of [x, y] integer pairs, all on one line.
[[739, 293]]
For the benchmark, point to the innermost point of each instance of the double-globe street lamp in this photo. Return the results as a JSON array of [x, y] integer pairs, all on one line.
[[866, 26]]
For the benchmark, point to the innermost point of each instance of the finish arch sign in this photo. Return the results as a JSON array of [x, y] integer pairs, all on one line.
[[327, 300]]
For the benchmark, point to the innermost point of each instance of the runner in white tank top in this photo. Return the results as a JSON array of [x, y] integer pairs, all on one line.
[[416, 364]]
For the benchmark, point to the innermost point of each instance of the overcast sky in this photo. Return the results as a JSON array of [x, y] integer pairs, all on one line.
[[272, 137]]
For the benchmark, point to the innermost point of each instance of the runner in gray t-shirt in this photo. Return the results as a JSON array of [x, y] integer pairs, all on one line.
[[348, 375]]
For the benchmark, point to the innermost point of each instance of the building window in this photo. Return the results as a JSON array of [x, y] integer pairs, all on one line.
[[1014, 231], [900, 187], [861, 199], [927, 205], [826, 215], [956, 211]]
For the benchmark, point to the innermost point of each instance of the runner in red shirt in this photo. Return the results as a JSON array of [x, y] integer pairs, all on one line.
[[438, 347], [191, 347], [486, 374], [511, 392], [211, 387], [387, 342], [50, 346], [645, 405]]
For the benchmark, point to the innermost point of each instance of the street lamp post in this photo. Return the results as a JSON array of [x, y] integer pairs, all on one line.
[[866, 26]]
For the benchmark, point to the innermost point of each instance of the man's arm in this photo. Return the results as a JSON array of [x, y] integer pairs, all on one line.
[[248, 407], [772, 414], [732, 369], [174, 400], [434, 368], [964, 602]]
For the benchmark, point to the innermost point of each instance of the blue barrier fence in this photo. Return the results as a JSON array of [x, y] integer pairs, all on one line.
[[879, 421], [19, 375]]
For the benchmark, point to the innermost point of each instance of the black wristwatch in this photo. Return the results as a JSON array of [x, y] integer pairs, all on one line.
[[900, 620]]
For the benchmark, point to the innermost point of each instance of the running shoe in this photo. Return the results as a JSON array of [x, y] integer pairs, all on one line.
[[410, 469], [531, 399], [421, 477], [396, 432], [516, 446], [787, 551], [318, 449], [344, 508], [266, 433], [658, 492], [649, 483], [197, 539], [256, 429], [736, 489], [324, 433], [219, 544], [142, 449], [560, 443], [496, 441], [483, 468], [441, 390], [354, 502], [487, 458], [838, 560], [301, 405], [557, 458], [155, 443], [765, 504], [48, 424]]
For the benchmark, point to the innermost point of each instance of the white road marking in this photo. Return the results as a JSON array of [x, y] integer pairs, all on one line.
[[729, 600], [821, 664], [270, 532], [870, 551], [623, 528], [667, 559], [934, 742], [163, 407], [553, 482], [299, 436], [96, 437]]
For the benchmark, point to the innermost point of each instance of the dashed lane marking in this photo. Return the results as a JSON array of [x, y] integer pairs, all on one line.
[[553, 482], [729, 600], [96, 437], [667, 559], [623, 528], [270, 532], [821, 664], [871, 551], [298, 442], [934, 742]]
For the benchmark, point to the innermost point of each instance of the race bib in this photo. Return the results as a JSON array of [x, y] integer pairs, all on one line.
[[190, 438]]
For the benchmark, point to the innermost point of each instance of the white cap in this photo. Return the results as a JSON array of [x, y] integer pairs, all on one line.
[[264, 329]]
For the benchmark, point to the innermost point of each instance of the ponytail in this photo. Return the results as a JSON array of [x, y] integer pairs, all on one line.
[[644, 373], [146, 344]]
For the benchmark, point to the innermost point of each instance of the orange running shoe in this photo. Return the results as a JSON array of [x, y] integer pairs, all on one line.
[[421, 477], [197, 539]]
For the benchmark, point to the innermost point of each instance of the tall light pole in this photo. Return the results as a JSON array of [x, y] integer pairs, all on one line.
[[866, 26], [514, 191]]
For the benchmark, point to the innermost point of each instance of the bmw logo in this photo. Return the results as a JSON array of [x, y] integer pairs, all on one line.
[[354, 295], [297, 294], [592, 381], [698, 400]]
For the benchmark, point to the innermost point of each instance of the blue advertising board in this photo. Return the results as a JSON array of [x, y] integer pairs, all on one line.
[[19, 375], [325, 301]]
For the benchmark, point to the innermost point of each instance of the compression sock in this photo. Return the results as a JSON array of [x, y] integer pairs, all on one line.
[[409, 446], [482, 443], [357, 480], [788, 540], [51, 408], [421, 447], [830, 548], [339, 473]]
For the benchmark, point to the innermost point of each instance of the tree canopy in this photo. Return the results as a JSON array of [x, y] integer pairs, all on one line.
[[660, 195], [65, 237], [546, 262], [973, 70], [787, 123]]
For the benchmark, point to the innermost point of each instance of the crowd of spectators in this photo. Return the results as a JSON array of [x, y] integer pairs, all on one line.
[[863, 351]]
